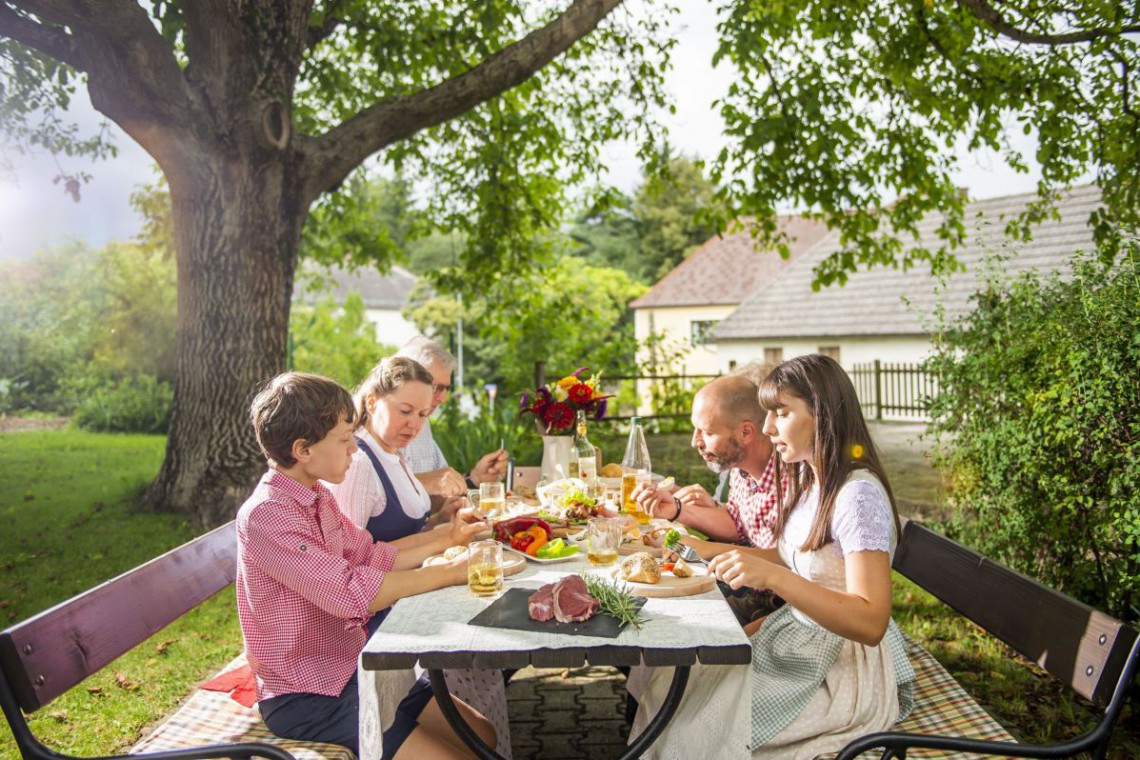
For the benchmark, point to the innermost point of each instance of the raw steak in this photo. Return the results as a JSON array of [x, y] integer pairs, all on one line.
[[572, 603], [541, 603]]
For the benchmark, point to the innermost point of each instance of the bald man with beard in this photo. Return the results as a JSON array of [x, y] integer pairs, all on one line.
[[727, 421], [727, 432]]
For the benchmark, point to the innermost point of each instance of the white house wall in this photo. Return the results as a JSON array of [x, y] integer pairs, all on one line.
[[391, 327], [675, 322], [852, 351]]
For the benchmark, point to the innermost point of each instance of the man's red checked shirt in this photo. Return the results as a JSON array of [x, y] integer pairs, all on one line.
[[752, 505], [305, 578]]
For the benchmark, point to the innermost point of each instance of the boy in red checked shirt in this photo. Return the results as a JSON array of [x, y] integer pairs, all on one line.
[[309, 580]]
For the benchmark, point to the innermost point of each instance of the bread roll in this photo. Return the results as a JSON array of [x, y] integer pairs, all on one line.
[[640, 568], [681, 569], [455, 552], [611, 470]]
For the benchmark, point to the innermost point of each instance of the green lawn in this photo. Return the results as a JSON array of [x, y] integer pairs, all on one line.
[[66, 499]]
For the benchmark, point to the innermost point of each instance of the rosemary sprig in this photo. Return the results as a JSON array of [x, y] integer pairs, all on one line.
[[614, 599]]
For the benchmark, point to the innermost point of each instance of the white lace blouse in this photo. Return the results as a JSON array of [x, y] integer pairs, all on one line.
[[862, 519]]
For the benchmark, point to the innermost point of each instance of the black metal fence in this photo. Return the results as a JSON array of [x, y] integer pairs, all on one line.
[[893, 389], [886, 389]]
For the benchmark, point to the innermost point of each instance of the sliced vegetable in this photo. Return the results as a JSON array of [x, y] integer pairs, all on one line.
[[537, 542], [555, 549], [667, 567], [507, 528]]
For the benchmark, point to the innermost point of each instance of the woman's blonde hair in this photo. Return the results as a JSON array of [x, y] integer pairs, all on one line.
[[386, 378]]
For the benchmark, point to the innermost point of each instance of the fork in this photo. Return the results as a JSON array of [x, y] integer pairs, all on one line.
[[687, 553]]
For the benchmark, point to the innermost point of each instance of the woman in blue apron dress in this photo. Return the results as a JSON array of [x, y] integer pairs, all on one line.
[[380, 494]]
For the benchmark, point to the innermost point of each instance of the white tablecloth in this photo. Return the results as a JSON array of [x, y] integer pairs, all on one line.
[[437, 622]]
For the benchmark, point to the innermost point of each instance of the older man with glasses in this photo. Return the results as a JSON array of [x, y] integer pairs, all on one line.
[[423, 454]]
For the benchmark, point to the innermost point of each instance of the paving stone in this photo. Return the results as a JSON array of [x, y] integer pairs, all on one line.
[[604, 734], [560, 747], [560, 714], [522, 712], [558, 698], [607, 688], [561, 720], [601, 709]]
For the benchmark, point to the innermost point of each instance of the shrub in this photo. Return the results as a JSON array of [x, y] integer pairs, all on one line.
[[1040, 406], [463, 439], [335, 340], [136, 404]]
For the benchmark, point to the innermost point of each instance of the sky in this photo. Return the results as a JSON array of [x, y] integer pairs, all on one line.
[[36, 212]]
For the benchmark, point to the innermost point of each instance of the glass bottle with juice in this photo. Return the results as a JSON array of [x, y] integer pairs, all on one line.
[[587, 461], [635, 468]]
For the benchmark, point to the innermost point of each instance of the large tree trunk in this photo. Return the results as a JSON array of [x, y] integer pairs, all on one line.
[[237, 227]]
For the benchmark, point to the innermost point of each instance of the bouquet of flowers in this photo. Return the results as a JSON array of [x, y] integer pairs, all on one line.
[[554, 405]]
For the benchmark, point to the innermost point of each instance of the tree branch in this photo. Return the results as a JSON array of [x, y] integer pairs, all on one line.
[[331, 157], [993, 18], [133, 77], [51, 41], [318, 34]]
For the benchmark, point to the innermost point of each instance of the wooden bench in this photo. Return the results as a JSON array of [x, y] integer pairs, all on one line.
[[44, 656], [1094, 654]]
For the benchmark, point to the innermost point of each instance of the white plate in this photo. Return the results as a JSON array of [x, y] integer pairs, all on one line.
[[512, 563], [542, 560]]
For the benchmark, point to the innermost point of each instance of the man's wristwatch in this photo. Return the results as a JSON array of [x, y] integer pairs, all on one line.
[[470, 483]]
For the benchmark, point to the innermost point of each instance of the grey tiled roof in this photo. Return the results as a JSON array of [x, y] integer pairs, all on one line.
[[728, 269], [378, 291], [887, 301]]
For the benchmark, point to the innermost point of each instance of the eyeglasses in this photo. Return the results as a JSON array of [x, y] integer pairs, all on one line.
[[441, 388]]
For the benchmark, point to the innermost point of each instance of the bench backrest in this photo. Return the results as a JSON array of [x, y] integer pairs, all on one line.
[[47, 654], [1079, 645]]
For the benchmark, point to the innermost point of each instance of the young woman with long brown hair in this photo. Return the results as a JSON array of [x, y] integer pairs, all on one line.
[[829, 666]]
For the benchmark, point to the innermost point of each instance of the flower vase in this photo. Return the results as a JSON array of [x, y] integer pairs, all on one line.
[[557, 453]]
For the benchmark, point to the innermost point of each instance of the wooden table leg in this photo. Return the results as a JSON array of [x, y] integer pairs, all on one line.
[[483, 752]]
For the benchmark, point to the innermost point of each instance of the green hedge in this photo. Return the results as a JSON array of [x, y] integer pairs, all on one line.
[[138, 404], [1040, 410]]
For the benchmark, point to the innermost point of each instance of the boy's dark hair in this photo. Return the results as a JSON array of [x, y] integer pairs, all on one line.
[[293, 406]]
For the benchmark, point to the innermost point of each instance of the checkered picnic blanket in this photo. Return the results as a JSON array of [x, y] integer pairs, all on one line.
[[943, 708], [213, 717]]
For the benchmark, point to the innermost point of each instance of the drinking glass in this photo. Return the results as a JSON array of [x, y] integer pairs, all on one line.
[[485, 568], [630, 479], [603, 536], [492, 498]]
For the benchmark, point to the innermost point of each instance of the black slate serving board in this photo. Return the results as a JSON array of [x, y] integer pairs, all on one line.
[[511, 611]]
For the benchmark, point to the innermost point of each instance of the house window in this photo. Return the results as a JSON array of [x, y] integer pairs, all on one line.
[[830, 352], [700, 332], [773, 355]]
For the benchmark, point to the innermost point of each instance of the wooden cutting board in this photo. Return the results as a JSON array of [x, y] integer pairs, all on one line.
[[698, 583]]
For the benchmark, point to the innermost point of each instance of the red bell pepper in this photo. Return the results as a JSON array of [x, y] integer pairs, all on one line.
[[507, 528]]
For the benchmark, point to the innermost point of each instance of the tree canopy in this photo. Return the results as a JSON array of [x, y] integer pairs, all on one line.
[[257, 111], [861, 111]]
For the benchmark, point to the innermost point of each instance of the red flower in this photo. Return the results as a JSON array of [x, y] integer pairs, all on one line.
[[580, 394], [559, 415]]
